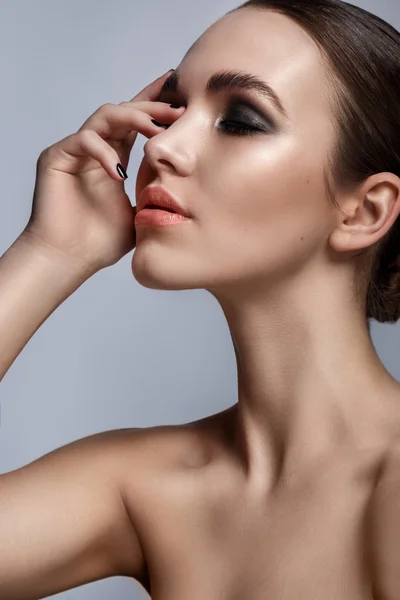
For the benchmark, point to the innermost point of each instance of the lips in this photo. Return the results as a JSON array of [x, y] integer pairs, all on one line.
[[158, 197]]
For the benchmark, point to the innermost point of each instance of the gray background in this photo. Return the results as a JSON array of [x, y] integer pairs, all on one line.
[[114, 354]]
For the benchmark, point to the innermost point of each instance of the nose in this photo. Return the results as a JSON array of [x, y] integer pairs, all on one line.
[[172, 149]]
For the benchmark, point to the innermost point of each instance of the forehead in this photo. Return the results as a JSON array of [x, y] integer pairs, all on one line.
[[266, 44]]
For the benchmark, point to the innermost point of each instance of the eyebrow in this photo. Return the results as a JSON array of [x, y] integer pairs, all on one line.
[[232, 80]]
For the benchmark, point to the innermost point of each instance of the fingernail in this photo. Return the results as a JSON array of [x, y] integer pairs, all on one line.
[[175, 105], [157, 123], [121, 171], [171, 70]]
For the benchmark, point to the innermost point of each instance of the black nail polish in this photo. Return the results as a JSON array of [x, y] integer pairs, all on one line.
[[121, 171], [157, 123], [175, 105]]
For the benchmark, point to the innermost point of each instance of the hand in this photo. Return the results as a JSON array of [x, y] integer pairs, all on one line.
[[80, 208]]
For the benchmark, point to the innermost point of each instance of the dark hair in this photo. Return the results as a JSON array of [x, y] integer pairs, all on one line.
[[361, 53]]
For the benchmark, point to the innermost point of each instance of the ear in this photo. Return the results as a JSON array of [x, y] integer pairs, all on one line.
[[369, 213]]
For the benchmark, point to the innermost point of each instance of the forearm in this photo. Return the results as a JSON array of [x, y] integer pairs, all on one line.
[[33, 283]]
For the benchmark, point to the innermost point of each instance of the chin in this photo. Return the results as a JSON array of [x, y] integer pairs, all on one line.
[[160, 273]]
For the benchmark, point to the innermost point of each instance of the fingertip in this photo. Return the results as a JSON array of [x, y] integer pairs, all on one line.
[[121, 171]]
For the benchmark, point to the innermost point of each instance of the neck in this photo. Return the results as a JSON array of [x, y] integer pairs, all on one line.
[[309, 379]]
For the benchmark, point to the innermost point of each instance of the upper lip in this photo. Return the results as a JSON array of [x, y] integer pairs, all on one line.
[[156, 195]]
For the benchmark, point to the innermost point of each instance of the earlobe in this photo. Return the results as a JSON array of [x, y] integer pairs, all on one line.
[[341, 239]]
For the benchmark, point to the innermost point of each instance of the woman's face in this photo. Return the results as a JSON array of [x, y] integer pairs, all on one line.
[[258, 200]]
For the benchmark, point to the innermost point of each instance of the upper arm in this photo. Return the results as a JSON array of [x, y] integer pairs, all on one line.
[[63, 520]]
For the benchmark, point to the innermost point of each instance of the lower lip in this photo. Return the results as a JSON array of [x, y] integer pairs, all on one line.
[[158, 218]]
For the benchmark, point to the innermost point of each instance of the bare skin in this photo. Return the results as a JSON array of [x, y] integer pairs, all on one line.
[[327, 531], [293, 492], [300, 500]]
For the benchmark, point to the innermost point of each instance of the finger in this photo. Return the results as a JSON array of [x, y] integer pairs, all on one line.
[[145, 106], [117, 121], [66, 154], [130, 139], [152, 91], [161, 110], [128, 142]]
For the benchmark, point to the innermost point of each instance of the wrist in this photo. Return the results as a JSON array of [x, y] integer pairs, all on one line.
[[53, 257]]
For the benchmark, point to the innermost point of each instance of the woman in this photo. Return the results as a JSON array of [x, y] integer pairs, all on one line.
[[289, 176]]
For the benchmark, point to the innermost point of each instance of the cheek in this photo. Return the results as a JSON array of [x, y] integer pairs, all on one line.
[[270, 205]]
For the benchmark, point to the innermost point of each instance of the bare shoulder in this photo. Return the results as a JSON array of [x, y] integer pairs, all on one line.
[[161, 465], [158, 452], [182, 446], [383, 539]]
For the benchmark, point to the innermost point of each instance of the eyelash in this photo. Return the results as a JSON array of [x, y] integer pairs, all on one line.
[[238, 128]]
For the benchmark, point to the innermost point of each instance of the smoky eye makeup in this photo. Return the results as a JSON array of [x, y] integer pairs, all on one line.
[[239, 116], [243, 110]]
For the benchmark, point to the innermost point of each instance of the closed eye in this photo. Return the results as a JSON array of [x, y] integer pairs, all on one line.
[[241, 108], [249, 121], [238, 128]]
